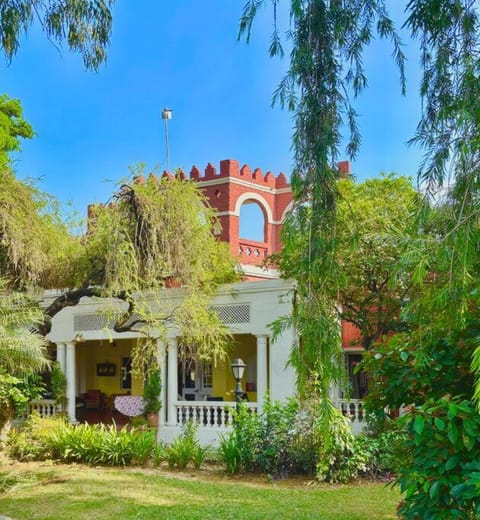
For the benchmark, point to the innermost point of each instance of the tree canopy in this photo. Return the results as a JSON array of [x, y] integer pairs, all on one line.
[[85, 25], [153, 232], [375, 220], [326, 73]]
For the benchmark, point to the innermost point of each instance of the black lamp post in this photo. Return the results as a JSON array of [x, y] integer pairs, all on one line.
[[238, 368]]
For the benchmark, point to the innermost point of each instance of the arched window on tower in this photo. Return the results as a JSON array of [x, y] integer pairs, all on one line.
[[252, 222]]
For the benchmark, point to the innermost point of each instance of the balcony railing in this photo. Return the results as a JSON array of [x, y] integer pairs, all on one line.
[[353, 409], [218, 414], [44, 407], [252, 252], [208, 414]]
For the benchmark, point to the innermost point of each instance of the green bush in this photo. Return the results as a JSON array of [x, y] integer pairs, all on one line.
[[15, 394], [278, 441], [185, 449], [58, 383], [36, 439], [43, 438], [143, 446], [158, 454], [441, 479], [285, 439], [340, 456], [151, 392], [383, 450], [230, 452]]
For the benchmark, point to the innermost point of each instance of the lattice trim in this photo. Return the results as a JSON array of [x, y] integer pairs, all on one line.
[[84, 322], [233, 313]]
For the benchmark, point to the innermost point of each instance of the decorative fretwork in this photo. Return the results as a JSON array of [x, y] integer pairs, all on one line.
[[83, 322], [233, 313]]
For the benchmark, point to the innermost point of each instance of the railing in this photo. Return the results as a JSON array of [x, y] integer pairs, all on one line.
[[353, 409], [208, 414], [254, 252], [44, 407], [216, 415]]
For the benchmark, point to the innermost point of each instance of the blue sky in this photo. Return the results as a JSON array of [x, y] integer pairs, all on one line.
[[183, 54]]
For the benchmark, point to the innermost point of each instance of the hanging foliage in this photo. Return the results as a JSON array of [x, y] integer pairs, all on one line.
[[326, 69]]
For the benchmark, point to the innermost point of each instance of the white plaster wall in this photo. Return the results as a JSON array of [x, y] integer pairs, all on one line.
[[282, 377]]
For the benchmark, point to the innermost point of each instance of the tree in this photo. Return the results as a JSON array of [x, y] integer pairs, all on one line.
[[22, 351], [325, 66], [156, 232], [375, 222], [85, 25], [12, 127], [328, 39], [153, 233]]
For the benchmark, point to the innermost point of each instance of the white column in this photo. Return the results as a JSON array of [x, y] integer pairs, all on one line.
[[71, 381], [172, 389], [61, 355], [162, 419], [262, 370]]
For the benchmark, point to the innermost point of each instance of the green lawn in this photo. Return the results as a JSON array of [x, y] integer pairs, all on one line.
[[47, 491]]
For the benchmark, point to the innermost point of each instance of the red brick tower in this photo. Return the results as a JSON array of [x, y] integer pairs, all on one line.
[[233, 186]]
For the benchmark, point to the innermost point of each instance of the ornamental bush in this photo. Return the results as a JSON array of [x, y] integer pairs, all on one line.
[[441, 479], [340, 455], [54, 438], [278, 441], [186, 449], [286, 438], [383, 449]]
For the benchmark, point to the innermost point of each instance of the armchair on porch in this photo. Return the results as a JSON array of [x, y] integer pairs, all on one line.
[[93, 400]]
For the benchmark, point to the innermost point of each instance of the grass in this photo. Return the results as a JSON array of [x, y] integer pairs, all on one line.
[[48, 491]]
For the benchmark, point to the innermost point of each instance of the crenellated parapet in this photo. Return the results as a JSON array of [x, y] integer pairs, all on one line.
[[227, 189], [230, 168]]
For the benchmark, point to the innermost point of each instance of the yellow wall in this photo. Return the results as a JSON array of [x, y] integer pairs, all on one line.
[[245, 347], [92, 352]]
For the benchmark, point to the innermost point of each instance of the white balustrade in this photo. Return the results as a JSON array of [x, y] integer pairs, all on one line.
[[44, 407], [208, 414], [353, 409]]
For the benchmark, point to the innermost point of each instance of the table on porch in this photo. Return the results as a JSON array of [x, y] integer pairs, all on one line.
[[130, 405]]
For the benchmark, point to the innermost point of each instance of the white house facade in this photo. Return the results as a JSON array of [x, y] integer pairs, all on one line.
[[97, 361]]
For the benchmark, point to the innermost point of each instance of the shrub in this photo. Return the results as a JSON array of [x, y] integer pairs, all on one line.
[[383, 450], [281, 440], [36, 440], [441, 480], [143, 446], [231, 452], [285, 438], [158, 454], [151, 392], [186, 448], [58, 383], [43, 438], [15, 394], [116, 447], [340, 457], [198, 455]]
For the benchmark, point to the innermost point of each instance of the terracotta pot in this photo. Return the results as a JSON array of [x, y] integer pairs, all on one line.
[[152, 419]]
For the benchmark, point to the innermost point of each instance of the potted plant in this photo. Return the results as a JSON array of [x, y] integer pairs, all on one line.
[[151, 396], [59, 387]]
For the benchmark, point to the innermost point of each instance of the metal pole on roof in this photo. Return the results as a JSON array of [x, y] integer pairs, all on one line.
[[166, 115]]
